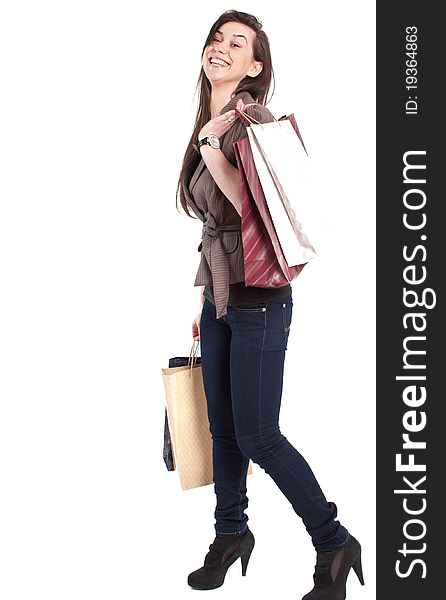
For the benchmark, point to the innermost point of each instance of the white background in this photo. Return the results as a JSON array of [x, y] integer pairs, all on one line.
[[97, 271]]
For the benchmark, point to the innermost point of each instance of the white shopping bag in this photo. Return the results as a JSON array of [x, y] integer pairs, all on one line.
[[288, 183]]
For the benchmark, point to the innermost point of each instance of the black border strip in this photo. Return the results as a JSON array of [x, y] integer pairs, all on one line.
[[410, 324]]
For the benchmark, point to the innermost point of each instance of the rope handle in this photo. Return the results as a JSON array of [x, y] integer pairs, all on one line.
[[244, 115], [193, 356]]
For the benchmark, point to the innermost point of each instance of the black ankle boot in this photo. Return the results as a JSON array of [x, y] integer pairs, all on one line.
[[223, 552], [332, 568]]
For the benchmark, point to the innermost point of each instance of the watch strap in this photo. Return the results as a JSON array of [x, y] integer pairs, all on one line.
[[211, 140], [202, 142]]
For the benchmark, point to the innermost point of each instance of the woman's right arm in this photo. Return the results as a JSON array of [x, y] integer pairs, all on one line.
[[201, 296]]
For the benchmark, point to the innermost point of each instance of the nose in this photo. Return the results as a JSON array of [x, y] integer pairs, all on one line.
[[218, 46]]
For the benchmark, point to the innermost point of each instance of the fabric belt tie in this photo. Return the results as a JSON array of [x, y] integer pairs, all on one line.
[[217, 260]]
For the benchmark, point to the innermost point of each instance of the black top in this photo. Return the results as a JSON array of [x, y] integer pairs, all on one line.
[[239, 293]]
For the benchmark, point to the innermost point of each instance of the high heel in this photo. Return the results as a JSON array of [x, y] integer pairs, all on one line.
[[332, 569], [245, 559], [357, 568], [223, 552]]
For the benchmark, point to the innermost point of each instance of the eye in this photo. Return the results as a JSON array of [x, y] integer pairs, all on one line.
[[233, 43]]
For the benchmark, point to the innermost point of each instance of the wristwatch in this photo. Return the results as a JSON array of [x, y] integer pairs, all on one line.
[[211, 139]]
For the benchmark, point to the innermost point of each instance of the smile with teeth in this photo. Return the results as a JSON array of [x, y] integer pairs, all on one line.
[[218, 62]]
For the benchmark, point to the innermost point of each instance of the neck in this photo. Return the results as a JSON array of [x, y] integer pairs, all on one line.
[[220, 96]]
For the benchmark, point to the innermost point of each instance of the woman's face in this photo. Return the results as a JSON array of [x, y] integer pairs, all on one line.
[[229, 57]]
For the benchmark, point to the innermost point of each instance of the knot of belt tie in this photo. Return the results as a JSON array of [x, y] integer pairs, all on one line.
[[217, 260]]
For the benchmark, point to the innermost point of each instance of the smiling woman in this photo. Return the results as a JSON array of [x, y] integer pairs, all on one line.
[[244, 330], [236, 72], [238, 40], [228, 59]]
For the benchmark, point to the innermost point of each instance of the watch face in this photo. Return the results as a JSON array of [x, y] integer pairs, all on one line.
[[214, 141]]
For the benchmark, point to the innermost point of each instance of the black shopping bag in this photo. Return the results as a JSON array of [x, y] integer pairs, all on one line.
[[177, 361]]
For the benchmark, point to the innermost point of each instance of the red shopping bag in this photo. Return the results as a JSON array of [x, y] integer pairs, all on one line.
[[264, 261]]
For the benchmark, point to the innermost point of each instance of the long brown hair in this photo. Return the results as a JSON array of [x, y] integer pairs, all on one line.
[[257, 86]]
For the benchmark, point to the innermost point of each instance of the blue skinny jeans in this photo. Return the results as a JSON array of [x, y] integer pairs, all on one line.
[[243, 355]]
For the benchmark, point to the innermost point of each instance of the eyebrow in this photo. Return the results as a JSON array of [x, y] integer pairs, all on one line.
[[234, 35]]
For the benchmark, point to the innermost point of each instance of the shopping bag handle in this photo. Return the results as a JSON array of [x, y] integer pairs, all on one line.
[[250, 119], [193, 354]]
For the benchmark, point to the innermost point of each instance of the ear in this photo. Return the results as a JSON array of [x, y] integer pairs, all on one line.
[[255, 69]]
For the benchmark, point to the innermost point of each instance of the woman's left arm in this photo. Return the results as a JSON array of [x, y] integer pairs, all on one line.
[[224, 174]]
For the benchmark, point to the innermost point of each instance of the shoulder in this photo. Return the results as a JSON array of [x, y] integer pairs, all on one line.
[[259, 113], [238, 130]]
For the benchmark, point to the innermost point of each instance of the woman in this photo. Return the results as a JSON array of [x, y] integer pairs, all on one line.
[[243, 331]]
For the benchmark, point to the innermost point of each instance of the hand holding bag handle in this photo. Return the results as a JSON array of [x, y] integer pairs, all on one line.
[[189, 422]]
